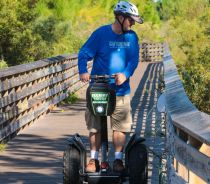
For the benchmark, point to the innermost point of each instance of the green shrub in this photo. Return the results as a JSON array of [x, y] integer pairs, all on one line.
[[2, 147], [71, 99], [186, 30], [3, 64], [196, 78]]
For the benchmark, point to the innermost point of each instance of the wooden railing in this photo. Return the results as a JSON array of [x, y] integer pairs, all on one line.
[[29, 91], [151, 52], [188, 132]]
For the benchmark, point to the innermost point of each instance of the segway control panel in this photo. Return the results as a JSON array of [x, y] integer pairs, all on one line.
[[101, 98]]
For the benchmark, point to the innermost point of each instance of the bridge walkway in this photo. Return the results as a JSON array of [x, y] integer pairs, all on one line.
[[35, 155]]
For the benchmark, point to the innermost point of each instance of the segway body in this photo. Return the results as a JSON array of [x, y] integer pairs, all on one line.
[[101, 101]]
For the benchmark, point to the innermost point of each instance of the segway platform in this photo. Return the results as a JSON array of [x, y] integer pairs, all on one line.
[[104, 178]]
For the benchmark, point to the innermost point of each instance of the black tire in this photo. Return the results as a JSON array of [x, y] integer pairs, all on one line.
[[71, 165], [137, 164]]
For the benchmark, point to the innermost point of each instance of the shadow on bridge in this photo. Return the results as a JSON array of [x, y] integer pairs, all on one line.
[[23, 163], [147, 121]]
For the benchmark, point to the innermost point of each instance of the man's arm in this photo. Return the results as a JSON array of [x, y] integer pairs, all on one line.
[[87, 53], [85, 77], [120, 78], [133, 59]]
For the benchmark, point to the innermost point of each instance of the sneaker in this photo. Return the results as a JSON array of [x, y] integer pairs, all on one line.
[[118, 165], [104, 166], [93, 166]]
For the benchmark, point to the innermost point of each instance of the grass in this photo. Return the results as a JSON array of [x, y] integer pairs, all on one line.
[[3, 64], [2, 147], [71, 99]]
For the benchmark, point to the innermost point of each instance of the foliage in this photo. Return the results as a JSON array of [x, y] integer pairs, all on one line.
[[169, 9], [2, 147], [35, 29], [71, 99], [186, 29], [3, 64], [196, 76], [17, 41]]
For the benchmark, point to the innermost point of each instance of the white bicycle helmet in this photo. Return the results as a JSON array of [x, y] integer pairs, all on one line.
[[128, 9]]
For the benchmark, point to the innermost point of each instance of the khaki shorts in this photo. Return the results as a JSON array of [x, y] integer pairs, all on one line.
[[121, 119]]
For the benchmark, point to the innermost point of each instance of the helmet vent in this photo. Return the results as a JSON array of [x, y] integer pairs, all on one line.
[[127, 9]]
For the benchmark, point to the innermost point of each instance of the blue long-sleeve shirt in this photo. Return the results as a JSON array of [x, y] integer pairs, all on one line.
[[111, 53]]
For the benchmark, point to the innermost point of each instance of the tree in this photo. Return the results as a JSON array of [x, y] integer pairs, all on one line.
[[17, 41], [186, 29]]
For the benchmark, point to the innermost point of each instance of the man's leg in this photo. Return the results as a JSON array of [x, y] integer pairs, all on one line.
[[121, 123], [119, 139], [94, 139]]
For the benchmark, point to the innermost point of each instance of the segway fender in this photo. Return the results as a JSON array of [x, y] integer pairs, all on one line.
[[77, 142], [132, 142], [139, 140]]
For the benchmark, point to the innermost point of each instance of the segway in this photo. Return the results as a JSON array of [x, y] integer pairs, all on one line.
[[101, 100]]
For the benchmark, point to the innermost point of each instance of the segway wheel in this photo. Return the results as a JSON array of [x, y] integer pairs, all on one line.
[[137, 164], [71, 165]]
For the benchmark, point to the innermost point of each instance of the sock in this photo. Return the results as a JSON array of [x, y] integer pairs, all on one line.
[[118, 155], [94, 154]]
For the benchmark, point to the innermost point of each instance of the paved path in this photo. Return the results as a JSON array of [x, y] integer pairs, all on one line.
[[35, 155]]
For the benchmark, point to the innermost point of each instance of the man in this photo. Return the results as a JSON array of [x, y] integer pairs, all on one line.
[[115, 50]]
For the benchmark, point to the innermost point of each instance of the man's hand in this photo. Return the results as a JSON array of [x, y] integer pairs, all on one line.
[[85, 77], [119, 78]]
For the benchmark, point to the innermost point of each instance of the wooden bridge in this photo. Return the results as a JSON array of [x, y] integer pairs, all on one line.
[[178, 140]]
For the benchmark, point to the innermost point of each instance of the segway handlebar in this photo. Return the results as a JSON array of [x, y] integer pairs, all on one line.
[[102, 78]]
